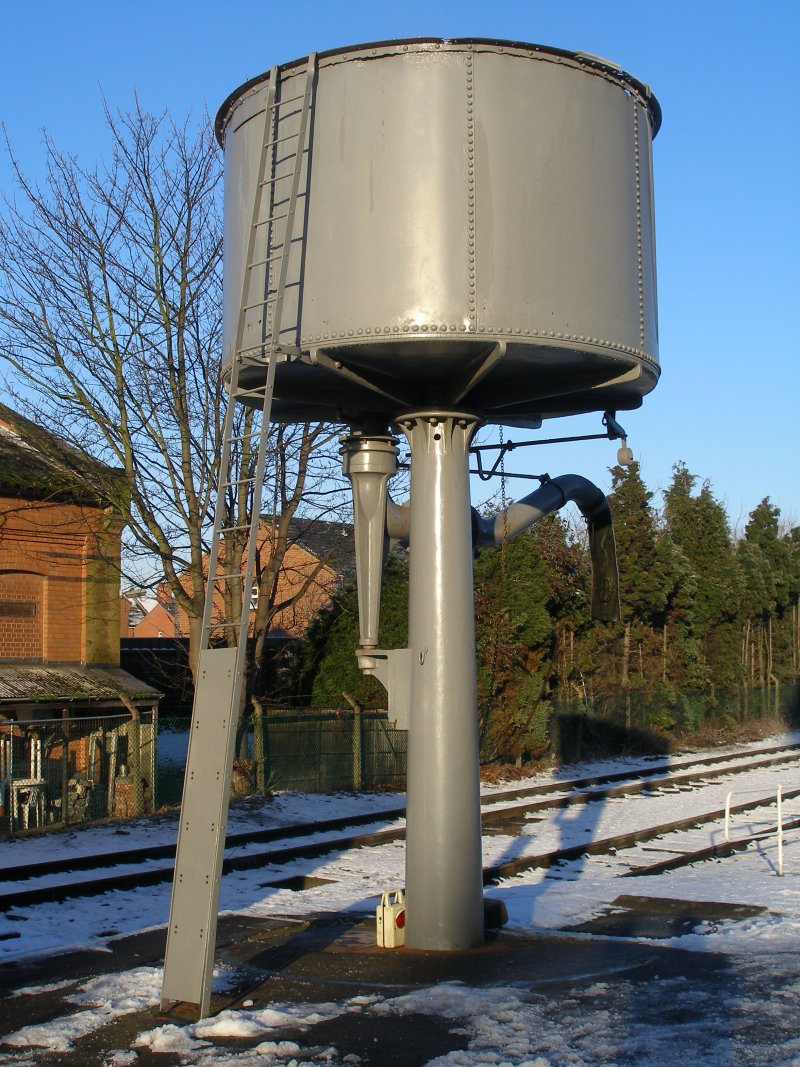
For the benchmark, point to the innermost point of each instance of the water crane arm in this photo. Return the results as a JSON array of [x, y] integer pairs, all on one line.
[[398, 521], [549, 497]]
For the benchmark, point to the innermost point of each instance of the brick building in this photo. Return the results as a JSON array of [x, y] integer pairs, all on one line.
[[319, 557], [60, 532], [146, 617]]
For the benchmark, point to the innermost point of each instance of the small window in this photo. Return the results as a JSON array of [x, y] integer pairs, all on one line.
[[18, 609]]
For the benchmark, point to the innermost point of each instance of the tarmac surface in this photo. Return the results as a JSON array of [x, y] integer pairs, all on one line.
[[333, 958]]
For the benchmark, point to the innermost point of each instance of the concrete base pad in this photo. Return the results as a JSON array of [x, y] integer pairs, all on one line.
[[335, 958], [663, 917]]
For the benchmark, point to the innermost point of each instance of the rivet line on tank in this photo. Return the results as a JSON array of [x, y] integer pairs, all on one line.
[[639, 263], [472, 285], [409, 328]]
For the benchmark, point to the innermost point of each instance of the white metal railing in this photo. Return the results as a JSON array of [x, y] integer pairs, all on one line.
[[778, 828]]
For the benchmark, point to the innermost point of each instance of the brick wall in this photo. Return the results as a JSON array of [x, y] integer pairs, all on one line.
[[300, 576], [21, 609], [62, 557]]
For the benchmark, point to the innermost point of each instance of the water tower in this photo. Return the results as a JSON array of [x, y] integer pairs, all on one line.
[[422, 237]]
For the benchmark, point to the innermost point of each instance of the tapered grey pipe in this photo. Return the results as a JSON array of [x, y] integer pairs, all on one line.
[[369, 462], [444, 884]]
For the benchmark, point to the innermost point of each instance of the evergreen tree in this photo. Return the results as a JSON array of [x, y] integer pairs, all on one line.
[[327, 666], [643, 581], [646, 572], [768, 625], [698, 525], [792, 541], [513, 631]]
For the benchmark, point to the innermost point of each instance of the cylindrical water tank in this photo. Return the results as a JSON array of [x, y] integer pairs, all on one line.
[[473, 227]]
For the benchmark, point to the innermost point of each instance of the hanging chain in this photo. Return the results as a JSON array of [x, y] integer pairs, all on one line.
[[503, 506]]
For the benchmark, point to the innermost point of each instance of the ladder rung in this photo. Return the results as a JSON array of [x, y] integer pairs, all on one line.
[[282, 140], [252, 392], [288, 100], [281, 177], [290, 114], [232, 529], [270, 296], [289, 350], [245, 436], [228, 577], [266, 222], [263, 222], [240, 481], [258, 304]]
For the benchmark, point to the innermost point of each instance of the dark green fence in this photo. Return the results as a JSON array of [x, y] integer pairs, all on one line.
[[322, 751], [60, 772], [317, 750], [638, 722]]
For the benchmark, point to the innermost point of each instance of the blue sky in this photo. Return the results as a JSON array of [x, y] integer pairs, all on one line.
[[726, 173]]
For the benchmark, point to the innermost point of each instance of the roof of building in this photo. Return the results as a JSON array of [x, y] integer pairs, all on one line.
[[31, 683], [331, 542], [141, 604], [35, 464]]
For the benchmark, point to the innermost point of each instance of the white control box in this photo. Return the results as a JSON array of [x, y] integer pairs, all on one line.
[[390, 919]]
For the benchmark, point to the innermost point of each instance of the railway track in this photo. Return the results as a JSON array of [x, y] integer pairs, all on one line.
[[72, 877]]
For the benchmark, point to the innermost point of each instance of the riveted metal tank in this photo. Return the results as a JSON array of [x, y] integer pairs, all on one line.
[[474, 228]]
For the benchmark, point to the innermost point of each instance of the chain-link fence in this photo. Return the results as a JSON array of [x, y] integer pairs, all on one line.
[[58, 772], [640, 722], [317, 750]]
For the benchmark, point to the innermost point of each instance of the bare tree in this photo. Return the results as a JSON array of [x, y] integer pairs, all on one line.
[[110, 327]]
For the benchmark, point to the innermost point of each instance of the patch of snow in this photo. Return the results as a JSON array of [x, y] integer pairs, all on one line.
[[600, 1022]]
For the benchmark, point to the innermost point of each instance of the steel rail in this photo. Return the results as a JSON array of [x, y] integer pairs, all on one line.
[[42, 868], [22, 896], [607, 845]]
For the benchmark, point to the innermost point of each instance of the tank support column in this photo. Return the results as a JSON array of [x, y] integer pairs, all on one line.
[[444, 883]]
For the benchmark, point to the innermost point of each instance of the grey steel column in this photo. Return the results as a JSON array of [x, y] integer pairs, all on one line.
[[444, 885]]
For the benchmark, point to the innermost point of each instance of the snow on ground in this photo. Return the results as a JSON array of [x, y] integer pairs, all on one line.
[[510, 1025]]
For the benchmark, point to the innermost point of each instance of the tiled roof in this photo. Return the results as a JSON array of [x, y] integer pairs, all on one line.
[[331, 542], [36, 464], [30, 682]]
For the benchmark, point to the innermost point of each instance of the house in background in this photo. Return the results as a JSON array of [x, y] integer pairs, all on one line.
[[61, 520], [319, 557], [155, 631], [145, 616]]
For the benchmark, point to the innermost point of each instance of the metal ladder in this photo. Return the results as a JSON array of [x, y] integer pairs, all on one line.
[[191, 933]]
